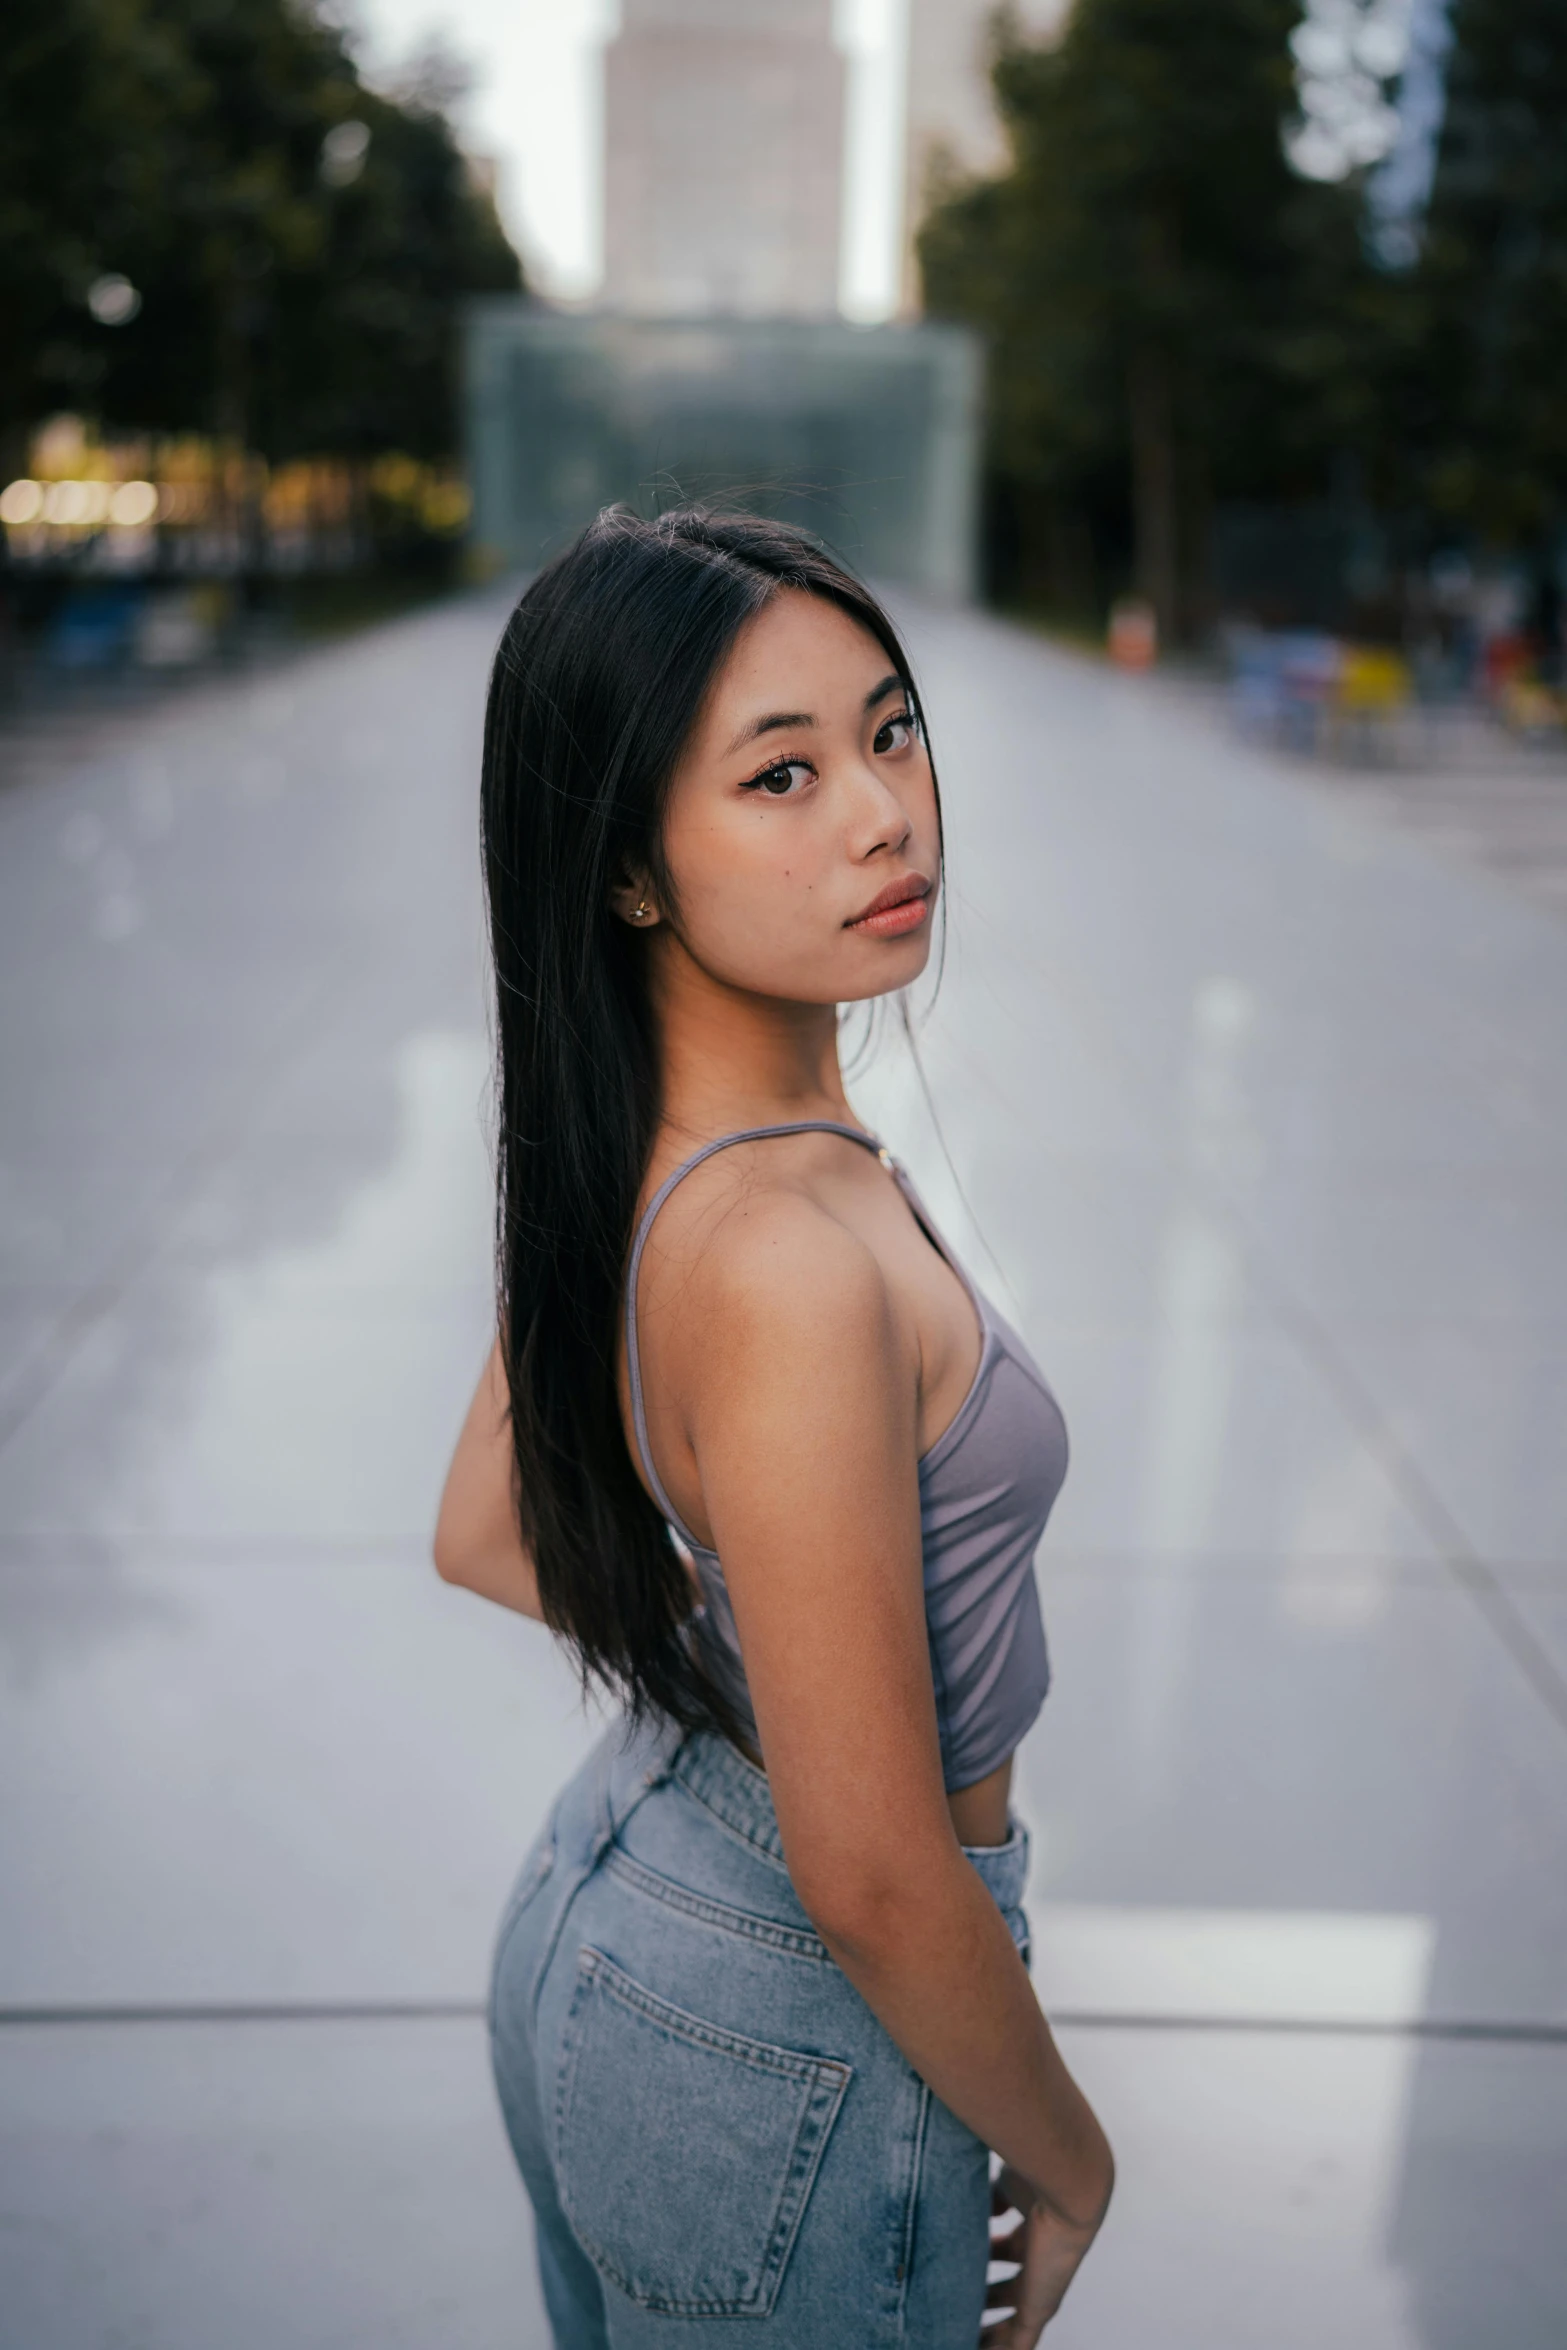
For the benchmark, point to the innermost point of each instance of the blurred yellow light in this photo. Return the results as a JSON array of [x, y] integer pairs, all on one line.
[[73, 505], [447, 505], [133, 504], [21, 502]]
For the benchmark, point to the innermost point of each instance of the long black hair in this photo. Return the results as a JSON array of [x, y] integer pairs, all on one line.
[[598, 681], [595, 689]]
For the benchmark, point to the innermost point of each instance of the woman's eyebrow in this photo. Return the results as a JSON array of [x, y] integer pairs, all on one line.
[[768, 725], [892, 683]]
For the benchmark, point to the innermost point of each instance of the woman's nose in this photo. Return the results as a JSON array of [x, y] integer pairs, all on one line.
[[880, 819]]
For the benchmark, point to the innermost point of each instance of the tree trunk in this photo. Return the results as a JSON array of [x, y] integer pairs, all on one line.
[[1199, 600], [1150, 411]]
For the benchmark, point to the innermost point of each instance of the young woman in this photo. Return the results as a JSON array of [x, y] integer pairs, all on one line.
[[754, 1445]]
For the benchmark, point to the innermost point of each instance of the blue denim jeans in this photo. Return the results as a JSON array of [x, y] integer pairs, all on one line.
[[721, 2143]]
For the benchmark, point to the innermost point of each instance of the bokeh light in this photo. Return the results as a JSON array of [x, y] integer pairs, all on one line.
[[1345, 52], [21, 502], [113, 300], [133, 505], [343, 153]]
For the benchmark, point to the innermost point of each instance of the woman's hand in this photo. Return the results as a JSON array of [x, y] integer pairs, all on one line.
[[1049, 2250]]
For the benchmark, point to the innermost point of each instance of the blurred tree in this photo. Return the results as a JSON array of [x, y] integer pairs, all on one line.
[[75, 154], [366, 348], [1482, 395], [1170, 311], [298, 243]]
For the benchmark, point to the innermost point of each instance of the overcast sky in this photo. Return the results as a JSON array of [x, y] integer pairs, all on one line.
[[535, 108]]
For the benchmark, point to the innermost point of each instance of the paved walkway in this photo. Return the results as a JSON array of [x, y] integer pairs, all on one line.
[[1456, 780], [1261, 1110]]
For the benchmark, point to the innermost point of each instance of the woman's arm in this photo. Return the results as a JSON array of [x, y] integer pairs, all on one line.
[[801, 1407], [476, 1539]]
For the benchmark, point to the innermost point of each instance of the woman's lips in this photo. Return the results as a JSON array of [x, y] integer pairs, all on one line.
[[901, 907]]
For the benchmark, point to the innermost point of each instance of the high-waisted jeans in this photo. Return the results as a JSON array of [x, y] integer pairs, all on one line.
[[721, 2143]]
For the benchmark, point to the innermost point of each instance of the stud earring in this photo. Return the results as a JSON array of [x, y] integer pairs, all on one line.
[[641, 911]]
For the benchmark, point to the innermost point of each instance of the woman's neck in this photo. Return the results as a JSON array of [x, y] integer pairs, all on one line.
[[730, 1059]]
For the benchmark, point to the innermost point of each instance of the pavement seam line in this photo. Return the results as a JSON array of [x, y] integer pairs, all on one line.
[[1474, 1577], [1452, 2028]]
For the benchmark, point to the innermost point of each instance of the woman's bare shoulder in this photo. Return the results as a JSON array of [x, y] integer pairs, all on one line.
[[747, 1252]]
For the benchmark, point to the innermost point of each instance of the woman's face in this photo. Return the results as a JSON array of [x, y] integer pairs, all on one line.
[[801, 833]]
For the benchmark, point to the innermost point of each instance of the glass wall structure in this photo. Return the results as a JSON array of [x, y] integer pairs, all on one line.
[[869, 436]]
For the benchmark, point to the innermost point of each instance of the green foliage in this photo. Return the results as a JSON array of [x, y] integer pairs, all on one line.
[[1483, 392], [1170, 312], [1174, 319], [179, 142]]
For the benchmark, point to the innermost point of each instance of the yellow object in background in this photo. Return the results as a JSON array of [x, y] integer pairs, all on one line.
[[1373, 682], [1531, 708]]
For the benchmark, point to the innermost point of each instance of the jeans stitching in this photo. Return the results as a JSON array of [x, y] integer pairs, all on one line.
[[793, 1941], [825, 2081], [742, 1836], [761, 2055], [522, 1900], [610, 1821], [911, 2205]]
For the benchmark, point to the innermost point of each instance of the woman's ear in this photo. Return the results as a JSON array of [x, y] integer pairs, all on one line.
[[634, 902]]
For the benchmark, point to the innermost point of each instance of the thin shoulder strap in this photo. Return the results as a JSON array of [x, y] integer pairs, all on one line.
[[633, 1354]]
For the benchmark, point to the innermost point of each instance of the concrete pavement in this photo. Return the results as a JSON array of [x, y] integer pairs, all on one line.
[[1260, 1110]]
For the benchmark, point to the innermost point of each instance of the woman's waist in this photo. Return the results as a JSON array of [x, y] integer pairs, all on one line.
[[990, 1684], [981, 1813], [703, 1782]]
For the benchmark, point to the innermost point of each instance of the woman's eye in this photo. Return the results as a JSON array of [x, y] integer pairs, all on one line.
[[895, 734], [776, 781]]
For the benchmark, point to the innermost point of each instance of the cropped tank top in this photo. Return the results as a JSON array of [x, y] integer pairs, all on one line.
[[987, 1485]]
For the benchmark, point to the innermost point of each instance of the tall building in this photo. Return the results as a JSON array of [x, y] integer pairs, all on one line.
[[723, 149]]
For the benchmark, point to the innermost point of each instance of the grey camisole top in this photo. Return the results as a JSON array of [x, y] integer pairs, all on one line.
[[987, 1485]]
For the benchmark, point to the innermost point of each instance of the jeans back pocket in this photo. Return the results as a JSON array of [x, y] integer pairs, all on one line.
[[684, 2153]]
